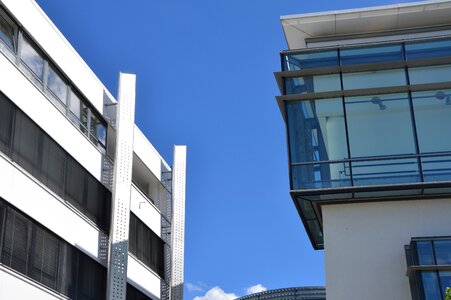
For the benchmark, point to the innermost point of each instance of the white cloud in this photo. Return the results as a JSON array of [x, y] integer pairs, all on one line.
[[193, 287], [255, 289], [216, 293]]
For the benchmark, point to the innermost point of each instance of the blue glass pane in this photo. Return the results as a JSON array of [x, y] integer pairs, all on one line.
[[430, 74], [312, 84], [373, 54], [374, 79], [431, 286], [318, 176], [432, 117], [445, 281], [316, 130], [425, 253], [439, 48], [309, 60], [443, 252], [436, 168], [379, 125], [382, 172]]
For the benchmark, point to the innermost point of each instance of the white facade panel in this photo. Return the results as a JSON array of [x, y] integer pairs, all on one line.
[[44, 32], [364, 245], [35, 200], [15, 286], [143, 279], [145, 211], [34, 104], [147, 153]]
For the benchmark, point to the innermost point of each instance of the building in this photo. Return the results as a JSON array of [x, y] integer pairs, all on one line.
[[366, 98], [88, 207], [294, 293]]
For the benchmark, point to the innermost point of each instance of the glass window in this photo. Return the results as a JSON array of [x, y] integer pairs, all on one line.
[[97, 130], [443, 252], [425, 253], [32, 59], [316, 130], [53, 166], [75, 184], [57, 88], [26, 142], [310, 60], [436, 168], [8, 31], [321, 175], [430, 49], [6, 121], [379, 125], [431, 286], [445, 281], [432, 115], [374, 79], [374, 54], [312, 84], [430, 74]]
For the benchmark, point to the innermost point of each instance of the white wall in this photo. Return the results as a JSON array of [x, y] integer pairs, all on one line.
[[143, 279], [145, 211], [364, 245], [15, 286]]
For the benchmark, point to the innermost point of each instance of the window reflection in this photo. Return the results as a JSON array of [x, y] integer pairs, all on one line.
[[379, 125], [430, 74], [312, 84], [56, 85], [371, 54], [310, 60], [7, 31], [32, 59], [374, 79], [429, 49]]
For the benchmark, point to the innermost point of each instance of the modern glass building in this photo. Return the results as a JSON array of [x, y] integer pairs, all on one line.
[[62, 141], [294, 293], [366, 98]]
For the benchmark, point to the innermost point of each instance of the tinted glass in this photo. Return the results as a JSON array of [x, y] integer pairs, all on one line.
[[310, 60], [53, 166], [431, 49], [443, 252], [432, 115], [26, 142], [91, 282], [367, 55], [445, 281], [33, 60], [6, 119], [425, 253], [316, 130], [57, 88], [75, 184], [431, 286], [321, 175], [68, 267], [436, 168], [374, 79], [7, 31], [430, 74], [312, 84], [379, 125]]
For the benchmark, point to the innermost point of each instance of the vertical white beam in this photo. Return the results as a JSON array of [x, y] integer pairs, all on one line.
[[178, 221], [120, 206]]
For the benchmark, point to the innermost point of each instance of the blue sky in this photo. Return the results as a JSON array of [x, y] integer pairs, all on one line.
[[205, 79]]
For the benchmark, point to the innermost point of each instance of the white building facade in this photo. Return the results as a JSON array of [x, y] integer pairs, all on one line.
[[60, 137], [366, 95]]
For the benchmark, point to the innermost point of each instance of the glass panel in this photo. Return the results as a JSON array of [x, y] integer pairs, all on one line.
[[97, 130], [443, 252], [371, 55], [430, 74], [68, 265], [26, 142], [379, 125], [316, 130], [57, 88], [430, 286], [79, 112], [432, 115], [385, 171], [312, 84], [91, 279], [317, 176], [7, 31], [445, 281], [6, 121], [75, 184], [374, 79], [53, 166], [32, 59], [436, 168], [309, 60], [425, 253], [431, 49]]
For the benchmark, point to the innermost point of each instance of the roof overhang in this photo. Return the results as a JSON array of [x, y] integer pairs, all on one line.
[[299, 29]]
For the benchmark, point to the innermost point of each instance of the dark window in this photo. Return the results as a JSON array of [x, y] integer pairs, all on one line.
[[8, 31], [374, 54], [75, 183], [25, 142], [135, 294], [53, 166], [149, 247], [32, 250], [6, 121]]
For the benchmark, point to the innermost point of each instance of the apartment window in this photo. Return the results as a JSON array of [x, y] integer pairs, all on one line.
[[8, 32], [374, 54], [430, 74], [33, 61], [374, 79], [135, 294], [429, 267], [309, 60], [428, 49], [146, 245], [43, 158], [56, 88], [312, 84]]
